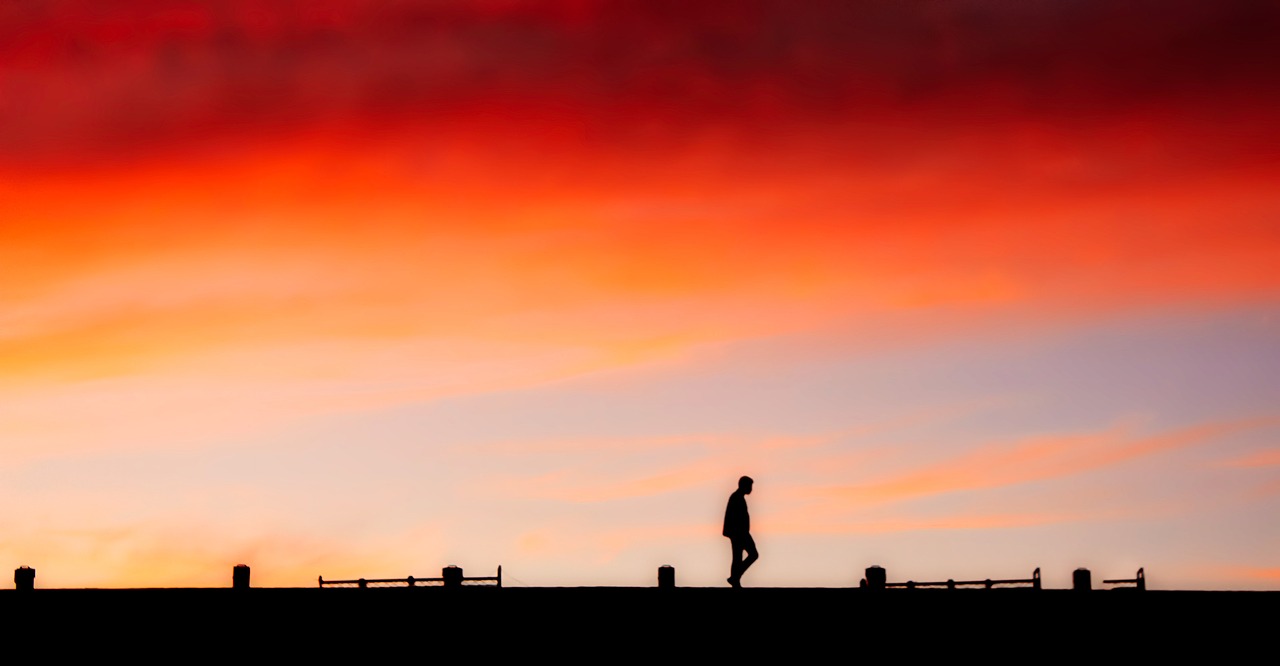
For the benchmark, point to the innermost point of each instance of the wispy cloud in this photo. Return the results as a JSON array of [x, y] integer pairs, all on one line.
[[802, 469], [802, 522], [585, 486], [1025, 461], [1264, 458], [600, 469]]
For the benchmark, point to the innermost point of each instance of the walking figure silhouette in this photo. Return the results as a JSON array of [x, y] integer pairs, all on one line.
[[737, 526]]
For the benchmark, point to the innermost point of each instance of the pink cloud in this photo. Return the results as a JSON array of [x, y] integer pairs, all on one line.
[[1264, 458], [1025, 461]]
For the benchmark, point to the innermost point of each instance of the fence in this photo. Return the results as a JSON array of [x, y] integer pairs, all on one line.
[[1138, 582], [876, 580], [450, 576]]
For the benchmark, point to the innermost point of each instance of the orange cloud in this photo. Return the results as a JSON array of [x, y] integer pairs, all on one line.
[[343, 262], [216, 222], [799, 464], [1250, 573], [1265, 458], [158, 555], [1026, 461], [583, 486], [803, 523]]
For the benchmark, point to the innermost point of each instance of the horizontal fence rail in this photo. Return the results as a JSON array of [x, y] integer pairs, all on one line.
[[1033, 582], [449, 577], [1138, 582]]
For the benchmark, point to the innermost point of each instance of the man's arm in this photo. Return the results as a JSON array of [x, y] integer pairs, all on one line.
[[735, 516]]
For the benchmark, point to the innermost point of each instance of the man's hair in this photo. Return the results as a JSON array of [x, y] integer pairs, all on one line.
[[745, 481]]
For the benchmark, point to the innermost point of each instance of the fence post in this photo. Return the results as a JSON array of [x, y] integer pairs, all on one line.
[[1142, 580], [24, 578], [452, 576], [1035, 579], [240, 577], [666, 576], [1081, 580], [876, 577]]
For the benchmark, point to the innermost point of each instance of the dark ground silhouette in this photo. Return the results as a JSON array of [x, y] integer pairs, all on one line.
[[588, 623]]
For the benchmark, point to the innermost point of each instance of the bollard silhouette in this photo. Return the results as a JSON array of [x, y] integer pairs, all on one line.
[[1081, 580], [24, 578], [666, 576], [876, 577], [452, 576], [240, 577]]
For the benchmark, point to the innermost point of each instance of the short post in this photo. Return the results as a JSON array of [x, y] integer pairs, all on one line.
[[1141, 580], [1081, 580], [666, 576], [876, 577], [24, 578], [452, 576], [1035, 579], [240, 577]]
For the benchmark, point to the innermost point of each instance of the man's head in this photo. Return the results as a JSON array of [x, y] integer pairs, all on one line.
[[744, 485]]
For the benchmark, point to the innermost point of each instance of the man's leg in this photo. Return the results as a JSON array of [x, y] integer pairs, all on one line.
[[748, 544], [735, 564]]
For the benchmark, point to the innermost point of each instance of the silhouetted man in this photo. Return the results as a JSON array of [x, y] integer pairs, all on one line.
[[737, 526]]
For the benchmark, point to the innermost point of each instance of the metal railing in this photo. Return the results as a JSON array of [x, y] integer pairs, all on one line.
[[989, 583], [1138, 582], [450, 576]]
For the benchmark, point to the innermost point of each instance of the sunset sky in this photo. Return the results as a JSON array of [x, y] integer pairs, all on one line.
[[368, 287]]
